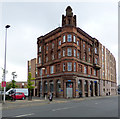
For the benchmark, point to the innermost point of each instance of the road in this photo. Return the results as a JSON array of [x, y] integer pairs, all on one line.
[[97, 107]]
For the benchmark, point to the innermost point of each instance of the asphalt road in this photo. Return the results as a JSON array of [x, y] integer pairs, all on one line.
[[100, 107]]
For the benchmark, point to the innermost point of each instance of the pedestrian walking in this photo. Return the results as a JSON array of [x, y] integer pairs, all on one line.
[[50, 97]]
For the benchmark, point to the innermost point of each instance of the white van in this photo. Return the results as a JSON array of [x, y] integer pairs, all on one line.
[[22, 90]]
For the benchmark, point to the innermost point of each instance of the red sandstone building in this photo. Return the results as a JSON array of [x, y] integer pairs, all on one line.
[[72, 62]]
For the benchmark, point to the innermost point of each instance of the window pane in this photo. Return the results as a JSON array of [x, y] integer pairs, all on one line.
[[39, 60], [40, 49], [78, 55], [51, 69], [74, 66], [69, 38], [59, 42], [59, 54], [64, 39], [96, 50], [63, 66], [63, 52], [52, 45], [69, 66], [74, 52], [74, 39], [69, 52]]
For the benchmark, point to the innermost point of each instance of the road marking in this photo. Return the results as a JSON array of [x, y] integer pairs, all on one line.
[[25, 115], [61, 108], [96, 103]]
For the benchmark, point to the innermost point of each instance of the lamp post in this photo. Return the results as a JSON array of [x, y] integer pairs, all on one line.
[[4, 72], [41, 84]]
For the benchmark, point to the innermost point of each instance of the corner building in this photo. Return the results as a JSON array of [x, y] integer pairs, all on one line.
[[71, 61]]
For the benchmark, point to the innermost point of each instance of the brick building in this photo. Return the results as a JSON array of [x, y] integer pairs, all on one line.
[[72, 62], [32, 67], [20, 84]]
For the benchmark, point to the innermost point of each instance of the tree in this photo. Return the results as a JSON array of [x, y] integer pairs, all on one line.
[[30, 85], [13, 84]]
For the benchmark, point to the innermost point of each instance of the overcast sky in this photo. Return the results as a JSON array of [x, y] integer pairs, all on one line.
[[32, 19]]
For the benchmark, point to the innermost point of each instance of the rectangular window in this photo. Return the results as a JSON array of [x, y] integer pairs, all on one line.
[[64, 39], [51, 69], [63, 66], [89, 49], [45, 70], [103, 66], [83, 46], [52, 56], [69, 66], [52, 45], [78, 43], [103, 74], [39, 60], [46, 48], [74, 66], [95, 50], [40, 49], [74, 39], [63, 52], [95, 60], [40, 71], [89, 59], [78, 55], [84, 57], [46, 58], [74, 52], [95, 72], [85, 70], [59, 42], [69, 38], [69, 52], [103, 58], [59, 54]]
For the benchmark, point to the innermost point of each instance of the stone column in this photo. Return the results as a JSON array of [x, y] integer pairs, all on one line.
[[77, 90], [62, 89], [93, 88], [83, 89], [89, 89], [42, 88], [65, 95], [97, 89], [54, 92], [48, 87]]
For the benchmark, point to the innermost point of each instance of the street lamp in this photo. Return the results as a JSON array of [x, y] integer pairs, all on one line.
[[41, 84], [4, 72]]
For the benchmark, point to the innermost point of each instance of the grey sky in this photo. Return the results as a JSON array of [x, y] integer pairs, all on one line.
[[30, 20]]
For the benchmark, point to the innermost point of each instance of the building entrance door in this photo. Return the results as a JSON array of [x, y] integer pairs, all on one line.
[[69, 89]]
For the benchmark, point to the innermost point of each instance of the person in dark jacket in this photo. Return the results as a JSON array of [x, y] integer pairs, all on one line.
[[50, 97]]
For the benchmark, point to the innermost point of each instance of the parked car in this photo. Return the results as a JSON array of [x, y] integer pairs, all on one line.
[[18, 95]]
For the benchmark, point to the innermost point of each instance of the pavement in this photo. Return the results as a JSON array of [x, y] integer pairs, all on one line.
[[105, 106], [37, 101]]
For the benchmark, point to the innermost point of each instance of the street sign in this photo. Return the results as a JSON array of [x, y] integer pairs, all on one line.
[[3, 83]]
